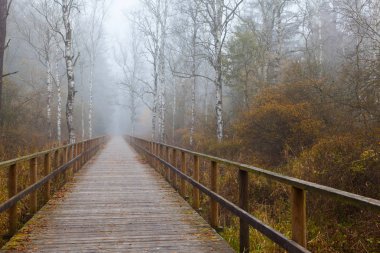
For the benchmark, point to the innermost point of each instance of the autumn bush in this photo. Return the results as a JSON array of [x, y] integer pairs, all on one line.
[[303, 129]]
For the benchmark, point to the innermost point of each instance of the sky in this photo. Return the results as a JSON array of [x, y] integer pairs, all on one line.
[[117, 24]]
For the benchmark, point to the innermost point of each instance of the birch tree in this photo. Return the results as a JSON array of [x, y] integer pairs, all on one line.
[[4, 10], [217, 16], [130, 65], [57, 80], [67, 9], [39, 35], [98, 10], [153, 25]]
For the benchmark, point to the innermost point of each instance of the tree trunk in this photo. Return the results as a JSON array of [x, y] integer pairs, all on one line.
[[3, 34], [162, 72], [91, 97], [218, 69], [49, 95], [69, 70], [59, 95]]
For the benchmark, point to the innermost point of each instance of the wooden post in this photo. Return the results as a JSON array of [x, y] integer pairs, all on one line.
[[12, 190], [47, 171], [33, 180], [155, 159], [243, 203], [56, 159], [69, 158], [183, 169], [87, 154], [64, 160], [167, 169], [75, 153], [214, 187], [196, 202], [299, 216], [80, 153], [174, 163]]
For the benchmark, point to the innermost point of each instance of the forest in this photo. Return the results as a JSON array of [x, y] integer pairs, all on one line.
[[291, 86]]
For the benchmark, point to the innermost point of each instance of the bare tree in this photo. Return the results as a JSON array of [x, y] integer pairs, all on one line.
[[98, 11], [39, 35], [4, 10], [217, 15], [153, 25]]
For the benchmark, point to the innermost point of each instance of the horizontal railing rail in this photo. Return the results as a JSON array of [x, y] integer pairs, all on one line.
[[67, 159], [159, 152]]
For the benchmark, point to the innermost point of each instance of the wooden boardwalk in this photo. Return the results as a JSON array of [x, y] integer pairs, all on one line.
[[116, 203]]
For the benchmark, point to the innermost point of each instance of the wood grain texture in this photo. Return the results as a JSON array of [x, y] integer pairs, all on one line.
[[117, 203]]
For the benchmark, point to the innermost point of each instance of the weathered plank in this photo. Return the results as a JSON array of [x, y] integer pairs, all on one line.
[[117, 203]]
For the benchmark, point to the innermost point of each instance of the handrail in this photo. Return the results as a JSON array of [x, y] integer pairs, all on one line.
[[349, 197], [68, 159], [8, 163], [160, 152]]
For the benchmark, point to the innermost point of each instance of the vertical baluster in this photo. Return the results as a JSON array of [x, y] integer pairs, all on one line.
[[174, 174], [243, 203], [167, 169], [214, 187], [33, 180], [12, 190], [183, 169], [75, 147], [47, 171], [69, 158], [298, 200], [196, 202], [64, 161]]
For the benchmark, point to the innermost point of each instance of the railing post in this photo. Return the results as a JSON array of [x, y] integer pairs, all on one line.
[[155, 153], [47, 170], [183, 169], [196, 202], [243, 204], [214, 187], [56, 159], [70, 157], [167, 169], [33, 180], [64, 160], [174, 162], [80, 153], [299, 216], [12, 190], [75, 147], [160, 156]]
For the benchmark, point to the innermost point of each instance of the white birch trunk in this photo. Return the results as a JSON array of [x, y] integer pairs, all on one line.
[[193, 70], [162, 72], [174, 111], [82, 116], [218, 69], [49, 95], [92, 65], [59, 95], [66, 8]]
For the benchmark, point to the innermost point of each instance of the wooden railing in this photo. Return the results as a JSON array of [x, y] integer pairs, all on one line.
[[64, 160], [159, 154]]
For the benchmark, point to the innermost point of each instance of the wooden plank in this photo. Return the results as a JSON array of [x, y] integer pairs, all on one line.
[[116, 203]]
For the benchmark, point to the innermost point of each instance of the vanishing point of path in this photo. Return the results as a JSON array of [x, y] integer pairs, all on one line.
[[116, 203]]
